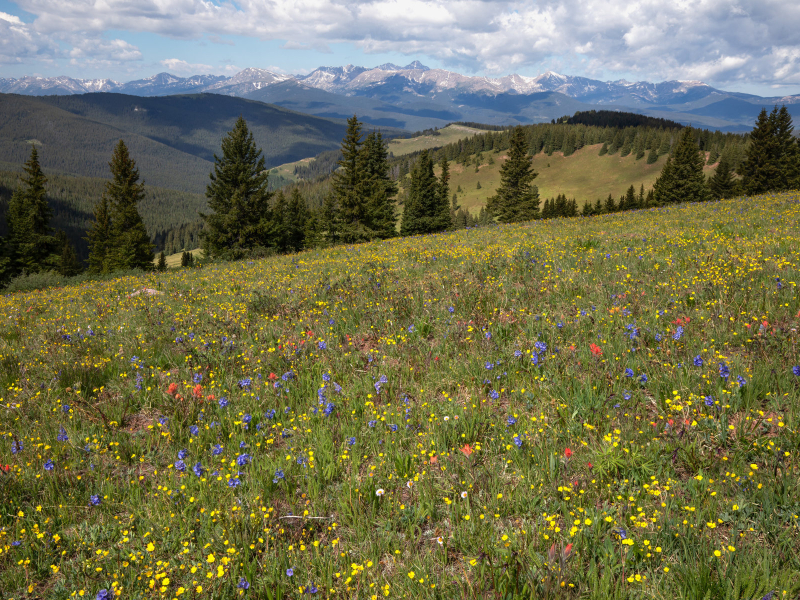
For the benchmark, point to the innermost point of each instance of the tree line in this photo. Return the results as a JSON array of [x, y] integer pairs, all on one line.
[[247, 217]]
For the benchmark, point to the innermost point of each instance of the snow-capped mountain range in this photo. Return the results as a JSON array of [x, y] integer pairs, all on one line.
[[436, 94]]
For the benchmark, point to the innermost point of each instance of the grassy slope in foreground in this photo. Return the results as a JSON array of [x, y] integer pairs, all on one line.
[[413, 432]]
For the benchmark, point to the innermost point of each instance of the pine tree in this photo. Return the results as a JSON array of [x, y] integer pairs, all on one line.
[[295, 221], [279, 217], [722, 184], [610, 205], [684, 181], [377, 189], [239, 198], [422, 210], [444, 216], [516, 199], [162, 262], [347, 189], [68, 264], [130, 246], [603, 150], [33, 246], [99, 238], [329, 220], [771, 160], [652, 156]]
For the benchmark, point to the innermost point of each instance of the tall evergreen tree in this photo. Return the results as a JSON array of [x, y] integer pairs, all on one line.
[[722, 184], [99, 238], [347, 187], [377, 189], [444, 219], [130, 246], [516, 199], [32, 242], [68, 265], [682, 178], [162, 263], [295, 221], [771, 160], [239, 198], [422, 210]]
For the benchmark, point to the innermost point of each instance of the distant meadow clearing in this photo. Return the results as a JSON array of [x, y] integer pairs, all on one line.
[[604, 407]]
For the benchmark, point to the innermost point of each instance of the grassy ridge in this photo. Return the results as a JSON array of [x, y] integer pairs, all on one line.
[[584, 176], [587, 408]]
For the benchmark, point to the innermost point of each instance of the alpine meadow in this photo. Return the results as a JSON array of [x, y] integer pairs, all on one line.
[[358, 333]]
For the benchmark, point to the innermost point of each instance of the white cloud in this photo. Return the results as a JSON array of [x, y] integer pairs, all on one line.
[[177, 66], [724, 40]]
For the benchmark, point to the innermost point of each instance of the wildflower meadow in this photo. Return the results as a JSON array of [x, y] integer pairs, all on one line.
[[602, 407]]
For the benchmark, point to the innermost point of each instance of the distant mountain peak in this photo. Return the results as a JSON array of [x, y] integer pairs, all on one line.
[[389, 67], [416, 66]]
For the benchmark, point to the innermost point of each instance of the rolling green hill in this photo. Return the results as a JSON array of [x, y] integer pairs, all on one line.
[[173, 139]]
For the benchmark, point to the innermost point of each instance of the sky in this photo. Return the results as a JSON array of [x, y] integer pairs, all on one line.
[[748, 46]]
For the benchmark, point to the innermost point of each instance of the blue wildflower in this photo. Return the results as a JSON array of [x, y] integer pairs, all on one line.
[[741, 380], [194, 430], [698, 361], [278, 476], [104, 594], [322, 345], [243, 459], [493, 394], [243, 584], [198, 469], [234, 482], [796, 370], [247, 418], [223, 402], [629, 373], [351, 441], [65, 408], [372, 423], [329, 408], [392, 427], [512, 420], [270, 414], [62, 435], [94, 500], [183, 454], [180, 466], [678, 333], [724, 370], [48, 465], [216, 450], [197, 377], [290, 571], [517, 441]]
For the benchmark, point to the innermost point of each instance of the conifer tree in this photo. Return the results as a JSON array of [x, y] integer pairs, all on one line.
[[329, 220], [444, 220], [422, 214], [722, 184], [652, 156], [99, 238], [347, 189], [162, 262], [295, 221], [280, 236], [130, 246], [771, 160], [377, 189], [603, 150], [33, 246], [516, 199], [239, 198], [68, 264], [682, 178]]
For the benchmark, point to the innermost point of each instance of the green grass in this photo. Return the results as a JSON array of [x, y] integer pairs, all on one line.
[[453, 418], [583, 175], [447, 135]]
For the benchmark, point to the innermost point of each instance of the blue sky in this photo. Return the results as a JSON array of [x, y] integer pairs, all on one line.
[[749, 46]]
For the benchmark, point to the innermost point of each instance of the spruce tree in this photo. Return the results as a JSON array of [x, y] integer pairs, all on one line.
[[68, 264], [771, 159], [280, 237], [444, 219], [682, 178], [516, 199], [421, 213], [99, 238], [162, 262], [347, 187], [377, 189], [722, 184], [130, 246], [239, 198], [295, 221], [32, 242], [652, 156]]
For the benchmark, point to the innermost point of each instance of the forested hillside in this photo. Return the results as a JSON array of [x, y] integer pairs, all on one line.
[[172, 139]]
